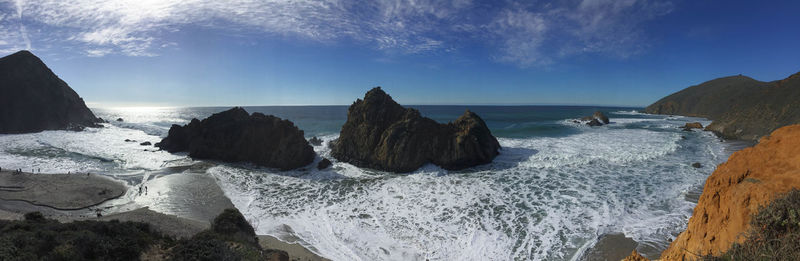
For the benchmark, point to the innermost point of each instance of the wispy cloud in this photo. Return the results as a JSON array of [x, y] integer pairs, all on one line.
[[521, 33]]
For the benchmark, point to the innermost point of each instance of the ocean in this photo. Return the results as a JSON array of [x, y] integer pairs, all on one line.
[[555, 188]]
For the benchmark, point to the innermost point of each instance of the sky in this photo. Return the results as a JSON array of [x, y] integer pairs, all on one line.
[[330, 52]]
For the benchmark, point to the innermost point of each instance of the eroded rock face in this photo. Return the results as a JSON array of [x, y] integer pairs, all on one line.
[[751, 178], [381, 134], [34, 99], [236, 136]]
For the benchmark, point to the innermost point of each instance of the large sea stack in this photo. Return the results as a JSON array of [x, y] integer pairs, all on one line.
[[236, 136], [740, 107], [381, 134], [34, 99]]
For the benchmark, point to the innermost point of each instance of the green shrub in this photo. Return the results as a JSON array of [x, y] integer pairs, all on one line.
[[774, 232]]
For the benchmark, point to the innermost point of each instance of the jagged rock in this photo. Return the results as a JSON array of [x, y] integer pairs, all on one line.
[[236, 136], [146, 143], [324, 164], [597, 119], [315, 141], [601, 117], [381, 134], [34, 99], [120, 120], [594, 122]]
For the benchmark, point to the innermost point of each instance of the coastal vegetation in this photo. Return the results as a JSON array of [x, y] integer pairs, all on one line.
[[38, 238], [774, 233], [740, 107]]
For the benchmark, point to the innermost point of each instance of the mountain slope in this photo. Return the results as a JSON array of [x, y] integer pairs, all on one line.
[[34, 99], [740, 107]]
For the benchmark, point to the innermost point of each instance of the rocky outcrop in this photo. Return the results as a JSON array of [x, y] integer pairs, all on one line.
[[597, 119], [236, 136], [740, 107], [315, 141], [693, 125], [635, 256], [324, 164], [750, 178], [34, 99], [381, 134]]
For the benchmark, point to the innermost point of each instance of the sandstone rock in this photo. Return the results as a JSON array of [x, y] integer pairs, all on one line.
[[34, 99], [236, 136], [315, 141], [381, 134], [324, 164], [751, 178], [635, 256]]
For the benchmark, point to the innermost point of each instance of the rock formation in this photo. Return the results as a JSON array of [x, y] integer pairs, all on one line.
[[34, 99], [693, 125], [315, 141], [750, 178], [740, 107], [324, 164], [236, 136], [381, 134], [597, 119]]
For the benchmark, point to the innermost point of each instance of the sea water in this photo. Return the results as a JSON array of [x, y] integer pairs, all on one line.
[[555, 188]]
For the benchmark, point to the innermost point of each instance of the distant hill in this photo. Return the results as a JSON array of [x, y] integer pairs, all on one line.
[[740, 107], [33, 98]]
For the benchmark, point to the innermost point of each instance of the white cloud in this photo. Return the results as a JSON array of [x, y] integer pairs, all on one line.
[[523, 33], [98, 52]]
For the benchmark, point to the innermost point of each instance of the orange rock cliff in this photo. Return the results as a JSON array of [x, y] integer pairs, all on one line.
[[749, 179]]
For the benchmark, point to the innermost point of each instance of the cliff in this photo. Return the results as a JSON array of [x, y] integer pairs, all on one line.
[[751, 178], [34, 99], [740, 107], [381, 134], [236, 136]]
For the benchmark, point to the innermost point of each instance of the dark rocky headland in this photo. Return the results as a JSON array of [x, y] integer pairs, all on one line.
[[381, 134], [740, 107], [236, 136], [34, 99]]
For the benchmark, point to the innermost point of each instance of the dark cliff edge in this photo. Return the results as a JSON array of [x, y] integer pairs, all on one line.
[[381, 134], [34, 99], [740, 107], [236, 136]]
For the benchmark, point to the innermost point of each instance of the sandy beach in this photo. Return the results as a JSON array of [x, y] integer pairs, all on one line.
[[191, 201]]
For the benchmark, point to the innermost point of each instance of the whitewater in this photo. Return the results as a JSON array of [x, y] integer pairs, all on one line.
[[555, 188]]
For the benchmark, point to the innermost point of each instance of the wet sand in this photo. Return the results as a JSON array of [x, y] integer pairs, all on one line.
[[176, 204], [59, 191], [610, 247]]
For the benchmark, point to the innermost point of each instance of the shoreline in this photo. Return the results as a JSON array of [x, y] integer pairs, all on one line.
[[75, 197]]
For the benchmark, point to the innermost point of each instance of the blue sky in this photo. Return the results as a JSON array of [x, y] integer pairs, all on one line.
[[254, 52]]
